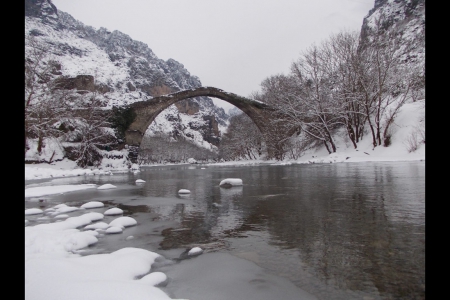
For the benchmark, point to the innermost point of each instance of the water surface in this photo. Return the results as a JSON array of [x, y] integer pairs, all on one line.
[[316, 231]]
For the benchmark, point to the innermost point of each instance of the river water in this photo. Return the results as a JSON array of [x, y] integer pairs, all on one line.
[[309, 231]]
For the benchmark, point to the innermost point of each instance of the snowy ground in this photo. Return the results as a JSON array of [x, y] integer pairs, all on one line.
[[54, 269]]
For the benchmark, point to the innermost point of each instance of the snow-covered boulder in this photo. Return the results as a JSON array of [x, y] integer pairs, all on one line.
[[98, 225], [195, 251], [113, 211], [92, 204], [229, 182], [114, 229], [123, 221]]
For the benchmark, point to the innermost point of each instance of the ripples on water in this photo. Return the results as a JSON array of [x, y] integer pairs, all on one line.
[[337, 231]]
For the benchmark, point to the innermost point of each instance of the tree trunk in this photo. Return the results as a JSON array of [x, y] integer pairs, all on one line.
[[40, 142], [351, 134], [326, 146]]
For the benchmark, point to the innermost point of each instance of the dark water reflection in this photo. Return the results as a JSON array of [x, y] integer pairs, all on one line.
[[338, 231]]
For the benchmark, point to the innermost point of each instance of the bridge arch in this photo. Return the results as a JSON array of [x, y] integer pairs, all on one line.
[[147, 111]]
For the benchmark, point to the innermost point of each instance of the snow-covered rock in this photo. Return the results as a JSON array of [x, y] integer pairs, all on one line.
[[114, 229], [123, 221], [98, 225], [92, 204], [195, 251], [228, 182], [113, 211]]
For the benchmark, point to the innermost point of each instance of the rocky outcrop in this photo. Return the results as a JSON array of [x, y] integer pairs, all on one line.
[[43, 9], [211, 132], [406, 20], [80, 83]]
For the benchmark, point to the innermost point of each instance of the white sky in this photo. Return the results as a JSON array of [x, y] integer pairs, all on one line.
[[229, 44]]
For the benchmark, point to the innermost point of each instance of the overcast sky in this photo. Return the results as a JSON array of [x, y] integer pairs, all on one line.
[[229, 44]]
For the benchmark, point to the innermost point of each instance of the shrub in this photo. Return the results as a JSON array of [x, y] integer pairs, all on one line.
[[121, 119]]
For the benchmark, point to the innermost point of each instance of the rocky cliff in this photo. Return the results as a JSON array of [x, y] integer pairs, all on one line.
[[405, 19]]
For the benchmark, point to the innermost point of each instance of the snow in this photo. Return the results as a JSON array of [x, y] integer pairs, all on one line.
[[123, 222], [114, 229], [92, 204], [98, 225], [67, 167], [64, 209], [195, 251], [106, 186], [94, 216], [33, 211], [113, 211], [60, 189], [154, 278], [61, 216], [55, 269]]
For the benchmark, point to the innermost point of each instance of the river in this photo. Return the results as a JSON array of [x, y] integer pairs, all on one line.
[[308, 231]]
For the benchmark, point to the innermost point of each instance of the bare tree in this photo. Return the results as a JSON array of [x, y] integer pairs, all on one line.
[[315, 96], [56, 111], [91, 130], [303, 99], [42, 108], [341, 53], [242, 140]]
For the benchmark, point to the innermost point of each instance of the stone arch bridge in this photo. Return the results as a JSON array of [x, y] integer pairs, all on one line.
[[147, 111]]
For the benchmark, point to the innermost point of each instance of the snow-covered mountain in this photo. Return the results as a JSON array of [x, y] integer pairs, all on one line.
[[122, 71], [405, 19]]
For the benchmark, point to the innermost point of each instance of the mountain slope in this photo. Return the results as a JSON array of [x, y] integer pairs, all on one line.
[[123, 71], [405, 21]]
